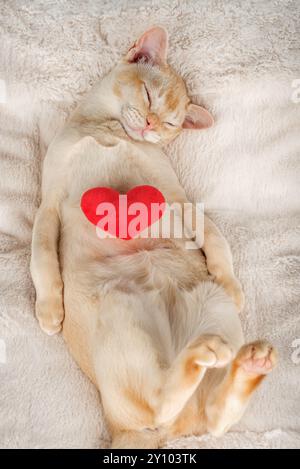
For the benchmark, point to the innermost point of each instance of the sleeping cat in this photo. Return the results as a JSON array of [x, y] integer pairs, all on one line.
[[154, 325]]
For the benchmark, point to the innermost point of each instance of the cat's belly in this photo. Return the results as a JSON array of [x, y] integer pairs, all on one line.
[[91, 267], [144, 263]]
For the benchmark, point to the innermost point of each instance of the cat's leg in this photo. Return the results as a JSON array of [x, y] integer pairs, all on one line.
[[177, 386], [45, 270], [219, 262], [215, 247], [207, 334], [187, 371], [227, 402]]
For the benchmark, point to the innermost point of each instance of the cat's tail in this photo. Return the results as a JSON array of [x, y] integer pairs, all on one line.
[[146, 439]]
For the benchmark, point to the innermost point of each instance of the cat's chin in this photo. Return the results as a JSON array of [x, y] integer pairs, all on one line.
[[133, 134], [152, 137]]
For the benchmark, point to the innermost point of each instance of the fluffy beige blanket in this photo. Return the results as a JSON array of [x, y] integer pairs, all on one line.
[[241, 60]]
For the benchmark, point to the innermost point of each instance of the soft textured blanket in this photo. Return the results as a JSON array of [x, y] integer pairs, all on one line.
[[241, 60]]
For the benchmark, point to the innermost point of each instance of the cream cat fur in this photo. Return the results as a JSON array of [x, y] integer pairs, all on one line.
[[143, 319]]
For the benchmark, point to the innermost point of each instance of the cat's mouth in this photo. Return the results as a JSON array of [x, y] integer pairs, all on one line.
[[134, 133], [141, 134]]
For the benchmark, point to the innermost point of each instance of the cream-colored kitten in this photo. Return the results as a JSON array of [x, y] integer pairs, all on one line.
[[143, 318]]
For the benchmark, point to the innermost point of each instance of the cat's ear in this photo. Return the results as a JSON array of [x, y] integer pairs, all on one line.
[[197, 118], [150, 47]]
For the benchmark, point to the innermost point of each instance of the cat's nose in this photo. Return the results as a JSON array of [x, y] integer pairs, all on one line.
[[152, 121]]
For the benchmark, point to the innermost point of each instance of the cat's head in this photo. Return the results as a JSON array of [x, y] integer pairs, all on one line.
[[154, 104]]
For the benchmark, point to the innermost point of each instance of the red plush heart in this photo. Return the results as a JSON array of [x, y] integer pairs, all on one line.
[[124, 216]]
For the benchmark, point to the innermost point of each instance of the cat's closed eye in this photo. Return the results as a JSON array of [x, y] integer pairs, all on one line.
[[170, 124], [147, 94]]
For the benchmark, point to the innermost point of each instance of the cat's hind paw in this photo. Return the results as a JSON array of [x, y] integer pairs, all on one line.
[[211, 351], [257, 358]]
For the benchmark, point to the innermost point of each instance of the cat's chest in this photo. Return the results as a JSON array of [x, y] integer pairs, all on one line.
[[119, 167]]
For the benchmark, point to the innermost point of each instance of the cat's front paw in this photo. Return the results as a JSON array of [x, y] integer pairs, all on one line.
[[50, 314]]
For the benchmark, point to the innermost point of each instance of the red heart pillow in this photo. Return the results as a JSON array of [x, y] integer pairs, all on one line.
[[124, 216]]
